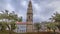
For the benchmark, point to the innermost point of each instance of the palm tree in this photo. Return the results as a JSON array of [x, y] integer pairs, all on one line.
[[51, 26], [2, 26], [9, 19], [37, 26], [48, 28], [13, 26], [56, 19], [58, 26], [20, 19]]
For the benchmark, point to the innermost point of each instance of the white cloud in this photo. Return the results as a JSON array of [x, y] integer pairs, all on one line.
[[22, 14], [9, 7], [8, 1], [23, 3], [56, 5], [36, 6], [38, 17]]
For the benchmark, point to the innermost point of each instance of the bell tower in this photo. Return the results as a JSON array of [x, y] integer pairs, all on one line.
[[29, 12], [29, 20]]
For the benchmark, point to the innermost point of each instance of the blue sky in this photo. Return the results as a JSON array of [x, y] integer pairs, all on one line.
[[42, 9]]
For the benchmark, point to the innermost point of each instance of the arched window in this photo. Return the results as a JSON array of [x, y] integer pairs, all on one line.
[[29, 17]]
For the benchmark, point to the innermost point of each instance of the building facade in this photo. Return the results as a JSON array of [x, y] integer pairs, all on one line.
[[28, 25], [29, 20]]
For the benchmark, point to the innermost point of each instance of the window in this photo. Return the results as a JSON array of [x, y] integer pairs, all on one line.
[[22, 28], [29, 17]]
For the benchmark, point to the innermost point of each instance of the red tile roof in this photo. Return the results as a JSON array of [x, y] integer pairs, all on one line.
[[21, 23]]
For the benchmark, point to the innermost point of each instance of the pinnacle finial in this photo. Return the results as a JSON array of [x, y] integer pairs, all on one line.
[[30, 0]]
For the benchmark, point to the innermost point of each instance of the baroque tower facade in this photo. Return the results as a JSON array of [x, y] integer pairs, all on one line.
[[29, 19], [29, 12]]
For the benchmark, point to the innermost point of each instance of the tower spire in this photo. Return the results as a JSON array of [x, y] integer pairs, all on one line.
[[29, 12], [29, 17]]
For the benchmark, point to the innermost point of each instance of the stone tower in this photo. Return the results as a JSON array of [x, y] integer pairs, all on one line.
[[29, 17], [29, 13]]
